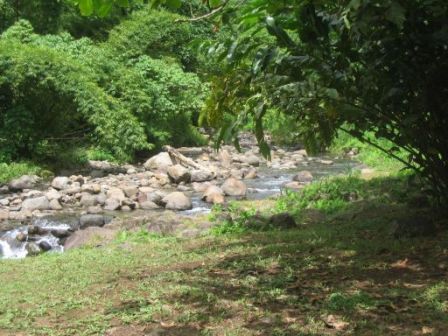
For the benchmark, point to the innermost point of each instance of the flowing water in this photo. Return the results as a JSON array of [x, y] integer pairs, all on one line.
[[268, 184]]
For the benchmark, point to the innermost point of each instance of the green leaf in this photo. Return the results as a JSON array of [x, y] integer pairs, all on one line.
[[396, 14], [214, 3], [86, 7], [123, 3]]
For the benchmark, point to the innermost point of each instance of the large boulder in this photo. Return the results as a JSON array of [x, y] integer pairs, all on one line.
[[116, 193], [213, 194], [88, 200], [61, 182], [37, 203], [91, 220], [178, 174], [159, 162], [251, 159], [234, 187], [177, 201], [23, 182]]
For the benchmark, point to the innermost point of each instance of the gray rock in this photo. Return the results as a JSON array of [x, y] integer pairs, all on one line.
[[148, 205], [38, 203], [4, 214], [23, 182], [159, 162], [44, 245], [234, 187], [202, 175], [94, 210], [177, 201], [116, 193], [130, 190], [178, 174], [61, 182], [251, 159], [53, 194], [33, 249], [88, 200], [93, 188], [303, 176], [91, 220]]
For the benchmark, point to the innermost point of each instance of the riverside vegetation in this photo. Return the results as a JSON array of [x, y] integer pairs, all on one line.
[[364, 253]]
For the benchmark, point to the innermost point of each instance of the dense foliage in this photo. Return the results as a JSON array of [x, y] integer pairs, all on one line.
[[124, 95]]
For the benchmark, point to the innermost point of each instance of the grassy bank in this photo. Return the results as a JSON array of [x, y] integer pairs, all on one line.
[[340, 271]]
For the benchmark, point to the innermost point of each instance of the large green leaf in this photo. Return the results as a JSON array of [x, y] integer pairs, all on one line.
[[86, 7]]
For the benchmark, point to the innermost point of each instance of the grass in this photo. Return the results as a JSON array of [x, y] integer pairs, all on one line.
[[345, 267], [9, 171]]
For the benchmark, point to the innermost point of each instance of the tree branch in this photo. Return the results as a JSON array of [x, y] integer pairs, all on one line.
[[205, 16]]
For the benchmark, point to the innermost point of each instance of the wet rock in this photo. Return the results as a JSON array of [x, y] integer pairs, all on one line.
[[159, 162], [60, 233], [38, 203], [202, 175], [23, 182], [303, 176], [61, 182], [282, 220], [44, 245], [177, 201], [33, 249], [178, 174], [91, 220], [214, 195], [234, 187], [106, 167], [91, 235], [326, 162], [200, 187], [21, 237]]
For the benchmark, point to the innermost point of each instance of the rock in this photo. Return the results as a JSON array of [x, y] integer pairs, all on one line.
[[148, 205], [159, 162], [37, 230], [53, 194], [91, 220], [33, 249], [4, 190], [225, 158], [21, 237], [293, 186], [250, 174], [93, 188], [234, 187], [106, 167], [214, 195], [88, 200], [130, 190], [202, 175], [251, 159], [97, 235], [303, 176], [44, 245], [61, 182], [60, 233], [116, 193], [112, 204], [282, 220], [200, 187], [326, 162], [94, 210], [4, 214], [55, 205], [23, 182], [101, 198], [38, 203], [178, 174], [177, 201], [4, 202]]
